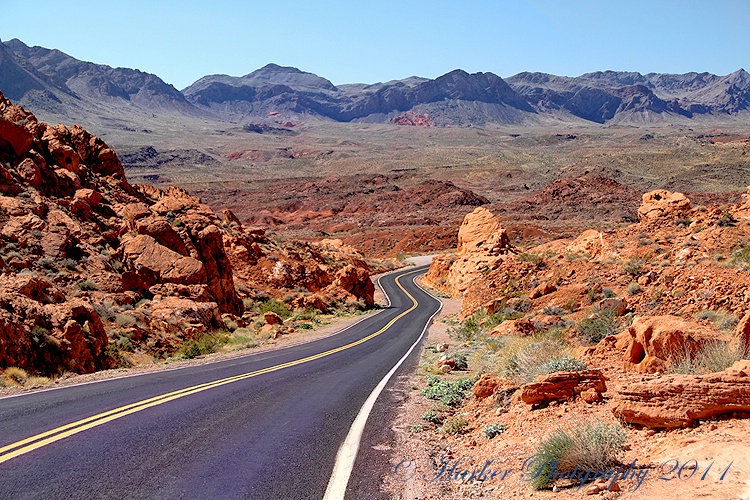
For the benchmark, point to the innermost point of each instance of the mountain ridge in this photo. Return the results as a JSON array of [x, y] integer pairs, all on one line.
[[51, 80]]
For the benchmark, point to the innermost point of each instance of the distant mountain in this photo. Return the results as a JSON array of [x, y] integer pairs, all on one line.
[[622, 96], [29, 73], [54, 82], [275, 89]]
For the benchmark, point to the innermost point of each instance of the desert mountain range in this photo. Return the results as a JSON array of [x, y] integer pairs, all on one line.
[[60, 86]]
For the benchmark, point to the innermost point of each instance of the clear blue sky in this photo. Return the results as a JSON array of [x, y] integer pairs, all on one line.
[[378, 40]]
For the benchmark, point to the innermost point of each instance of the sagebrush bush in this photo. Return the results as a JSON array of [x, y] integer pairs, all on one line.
[[205, 343], [634, 266], [539, 358], [602, 322], [454, 426], [594, 447]]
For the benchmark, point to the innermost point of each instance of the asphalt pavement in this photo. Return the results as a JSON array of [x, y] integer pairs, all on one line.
[[262, 426]]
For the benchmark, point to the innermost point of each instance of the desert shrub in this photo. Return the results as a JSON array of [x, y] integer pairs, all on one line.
[[125, 320], [608, 293], [36, 381], [711, 357], [538, 358], [633, 288], [202, 344], [15, 376], [448, 393], [69, 264], [594, 447], [460, 360], [602, 322], [45, 263], [553, 311], [722, 319], [86, 285], [492, 430], [564, 363], [273, 305], [726, 220], [533, 258], [454, 426], [741, 256], [634, 266], [432, 417]]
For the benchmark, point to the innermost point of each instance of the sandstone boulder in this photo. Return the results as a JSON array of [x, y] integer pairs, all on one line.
[[662, 203], [487, 385], [271, 318], [656, 341], [144, 251], [562, 386], [676, 401]]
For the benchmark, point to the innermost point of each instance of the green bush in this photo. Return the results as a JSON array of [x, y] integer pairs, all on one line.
[[86, 285], [448, 393], [594, 447], [432, 417], [602, 322], [273, 305], [454, 426], [492, 430], [634, 266], [564, 363], [202, 344]]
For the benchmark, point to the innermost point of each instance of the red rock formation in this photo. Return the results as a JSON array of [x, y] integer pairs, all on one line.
[[413, 119], [88, 241], [562, 386], [657, 341], [678, 400]]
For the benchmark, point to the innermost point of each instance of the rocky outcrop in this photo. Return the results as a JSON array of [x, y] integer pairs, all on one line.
[[675, 401], [482, 246], [662, 203], [656, 341], [80, 248], [562, 386], [413, 119]]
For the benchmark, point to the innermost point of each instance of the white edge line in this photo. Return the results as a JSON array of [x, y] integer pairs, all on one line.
[[347, 454], [166, 370]]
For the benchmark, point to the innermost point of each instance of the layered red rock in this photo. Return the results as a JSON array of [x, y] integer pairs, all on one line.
[[675, 401], [562, 386]]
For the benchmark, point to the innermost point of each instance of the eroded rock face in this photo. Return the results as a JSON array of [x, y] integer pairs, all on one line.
[[677, 401], [662, 203], [482, 243], [656, 341]]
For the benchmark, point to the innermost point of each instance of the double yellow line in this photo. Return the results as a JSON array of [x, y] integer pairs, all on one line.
[[32, 443]]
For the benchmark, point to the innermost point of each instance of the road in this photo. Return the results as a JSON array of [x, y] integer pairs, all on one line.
[[263, 426]]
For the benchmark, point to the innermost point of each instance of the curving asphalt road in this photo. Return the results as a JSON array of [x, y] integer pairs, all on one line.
[[264, 426]]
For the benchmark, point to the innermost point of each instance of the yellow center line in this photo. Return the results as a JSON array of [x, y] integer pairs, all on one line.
[[31, 443]]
